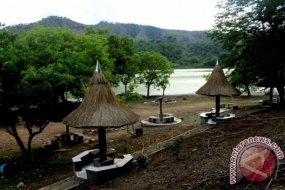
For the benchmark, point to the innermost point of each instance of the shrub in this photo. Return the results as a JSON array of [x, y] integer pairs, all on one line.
[[143, 160], [175, 147]]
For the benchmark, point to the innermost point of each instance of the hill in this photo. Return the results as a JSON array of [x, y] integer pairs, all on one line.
[[135, 31], [183, 48]]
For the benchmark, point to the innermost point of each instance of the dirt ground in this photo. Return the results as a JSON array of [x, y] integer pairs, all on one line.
[[185, 107], [204, 157], [204, 160]]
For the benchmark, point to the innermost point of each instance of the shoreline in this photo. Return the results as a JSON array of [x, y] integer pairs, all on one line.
[[253, 94]]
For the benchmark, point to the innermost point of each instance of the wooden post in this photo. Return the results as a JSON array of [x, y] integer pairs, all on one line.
[[102, 142], [67, 129], [160, 106], [217, 106]]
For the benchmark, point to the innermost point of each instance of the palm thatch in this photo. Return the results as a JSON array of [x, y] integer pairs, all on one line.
[[217, 85], [100, 107]]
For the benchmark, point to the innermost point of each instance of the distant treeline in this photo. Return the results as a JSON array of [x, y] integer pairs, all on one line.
[[184, 49]]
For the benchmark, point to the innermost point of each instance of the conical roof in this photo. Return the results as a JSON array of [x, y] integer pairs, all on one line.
[[217, 85], [100, 107]]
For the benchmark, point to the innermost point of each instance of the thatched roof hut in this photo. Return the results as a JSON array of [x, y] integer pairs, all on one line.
[[100, 107], [218, 85]]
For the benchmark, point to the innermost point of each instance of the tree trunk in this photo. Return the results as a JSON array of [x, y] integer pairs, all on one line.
[[62, 97], [148, 87], [15, 134], [29, 155], [125, 88], [280, 86], [271, 94], [248, 91], [163, 91], [281, 95]]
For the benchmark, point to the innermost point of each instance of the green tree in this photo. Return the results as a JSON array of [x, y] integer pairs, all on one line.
[[120, 50], [131, 69], [49, 63], [242, 80], [48, 55], [164, 83], [252, 33], [154, 68], [13, 100], [89, 49], [10, 69]]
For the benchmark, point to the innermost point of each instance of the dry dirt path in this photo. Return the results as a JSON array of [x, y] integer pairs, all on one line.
[[183, 108]]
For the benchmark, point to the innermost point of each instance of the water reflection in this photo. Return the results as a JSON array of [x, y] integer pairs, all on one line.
[[182, 81]]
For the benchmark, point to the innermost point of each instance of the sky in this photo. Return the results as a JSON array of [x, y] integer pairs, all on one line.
[[167, 14]]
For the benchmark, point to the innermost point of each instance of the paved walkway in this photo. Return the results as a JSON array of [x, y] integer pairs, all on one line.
[[73, 182]]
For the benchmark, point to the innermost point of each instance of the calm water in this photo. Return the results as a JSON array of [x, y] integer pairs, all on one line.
[[182, 81]]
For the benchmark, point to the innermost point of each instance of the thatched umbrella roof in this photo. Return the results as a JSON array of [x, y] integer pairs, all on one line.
[[100, 107], [217, 84]]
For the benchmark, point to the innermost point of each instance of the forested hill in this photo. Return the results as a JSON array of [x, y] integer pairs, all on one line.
[[133, 30], [183, 48], [152, 33]]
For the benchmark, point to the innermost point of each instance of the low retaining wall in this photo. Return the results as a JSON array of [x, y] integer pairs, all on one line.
[[162, 145]]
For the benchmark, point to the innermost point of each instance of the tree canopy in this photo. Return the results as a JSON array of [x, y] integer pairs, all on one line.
[[252, 34], [41, 67], [154, 68], [38, 68]]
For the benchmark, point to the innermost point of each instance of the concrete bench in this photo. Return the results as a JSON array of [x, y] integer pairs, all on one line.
[[205, 116], [139, 132], [78, 137], [119, 167], [209, 114], [226, 118], [262, 103], [65, 137], [153, 119], [232, 106], [167, 114], [82, 159], [230, 115], [58, 136], [56, 143], [168, 119]]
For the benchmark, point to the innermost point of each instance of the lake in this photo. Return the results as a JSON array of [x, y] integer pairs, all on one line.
[[182, 81]]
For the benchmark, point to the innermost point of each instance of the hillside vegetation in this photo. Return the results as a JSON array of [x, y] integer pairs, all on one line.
[[183, 48]]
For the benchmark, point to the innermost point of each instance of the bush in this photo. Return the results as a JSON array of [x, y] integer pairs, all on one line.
[[143, 160], [175, 147]]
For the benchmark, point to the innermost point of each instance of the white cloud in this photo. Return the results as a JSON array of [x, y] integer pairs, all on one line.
[[168, 14]]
